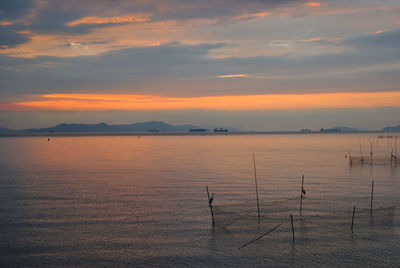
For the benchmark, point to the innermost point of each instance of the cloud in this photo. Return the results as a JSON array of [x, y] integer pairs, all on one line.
[[322, 41], [51, 19], [252, 15], [77, 17], [10, 37], [125, 24], [12, 34], [312, 4], [83, 16], [188, 70], [232, 76], [110, 20], [181, 9], [5, 23], [13, 9], [126, 67], [380, 39], [78, 44]]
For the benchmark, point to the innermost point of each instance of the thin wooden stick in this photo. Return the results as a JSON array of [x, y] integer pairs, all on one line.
[[261, 236], [352, 219], [211, 209], [301, 195], [351, 160], [291, 219], [372, 198], [371, 153], [255, 180]]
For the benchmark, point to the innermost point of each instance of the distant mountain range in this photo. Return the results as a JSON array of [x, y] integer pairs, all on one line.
[[340, 129], [389, 129], [103, 127], [6, 130], [150, 126], [344, 129]]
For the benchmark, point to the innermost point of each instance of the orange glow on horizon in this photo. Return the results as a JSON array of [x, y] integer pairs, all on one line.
[[98, 102], [312, 4]]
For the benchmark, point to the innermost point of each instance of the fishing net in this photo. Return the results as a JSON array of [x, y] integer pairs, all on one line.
[[320, 220], [383, 161], [381, 152]]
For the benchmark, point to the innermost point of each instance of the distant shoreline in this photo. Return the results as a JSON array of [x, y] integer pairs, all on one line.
[[89, 134]]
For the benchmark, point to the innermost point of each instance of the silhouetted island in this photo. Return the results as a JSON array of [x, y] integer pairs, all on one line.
[[389, 129], [149, 126], [338, 129]]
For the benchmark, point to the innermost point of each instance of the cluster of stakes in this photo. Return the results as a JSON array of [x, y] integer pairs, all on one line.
[[216, 212]]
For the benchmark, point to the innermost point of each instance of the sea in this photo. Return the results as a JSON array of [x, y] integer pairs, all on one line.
[[141, 201]]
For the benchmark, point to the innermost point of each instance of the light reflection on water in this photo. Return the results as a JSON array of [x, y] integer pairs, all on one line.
[[112, 201]]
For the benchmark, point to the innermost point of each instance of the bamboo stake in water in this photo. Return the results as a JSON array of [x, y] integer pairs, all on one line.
[[351, 160], [291, 219], [352, 219], [255, 180], [371, 153], [301, 195], [372, 198], [211, 209]]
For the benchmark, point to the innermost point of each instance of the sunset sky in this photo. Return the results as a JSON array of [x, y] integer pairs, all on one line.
[[256, 64]]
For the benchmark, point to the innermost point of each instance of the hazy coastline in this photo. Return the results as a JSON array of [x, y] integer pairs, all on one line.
[[208, 133]]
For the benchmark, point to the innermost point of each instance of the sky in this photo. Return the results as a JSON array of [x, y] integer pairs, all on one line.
[[255, 64]]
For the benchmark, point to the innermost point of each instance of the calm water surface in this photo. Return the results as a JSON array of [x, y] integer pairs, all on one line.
[[129, 201]]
